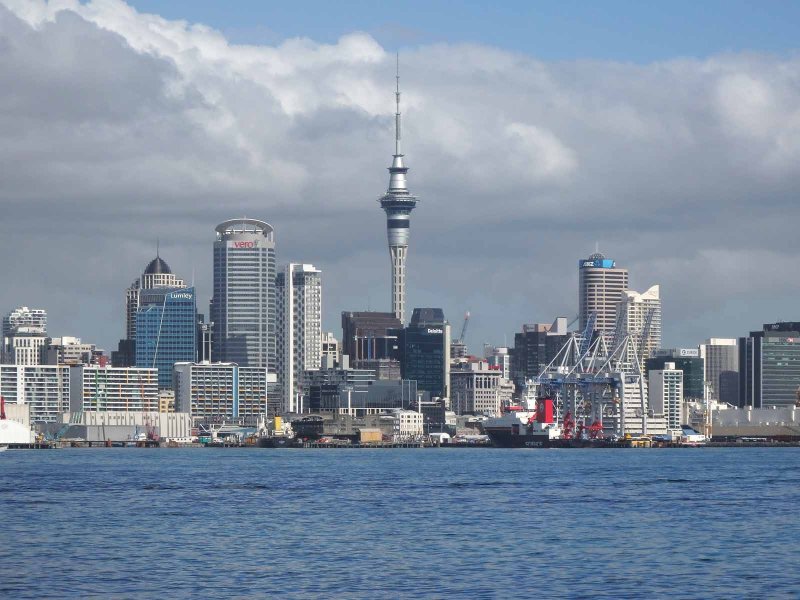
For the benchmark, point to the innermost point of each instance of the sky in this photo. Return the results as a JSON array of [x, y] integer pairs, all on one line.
[[667, 135]]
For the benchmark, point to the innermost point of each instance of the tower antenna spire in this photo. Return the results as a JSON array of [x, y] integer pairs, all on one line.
[[397, 112]]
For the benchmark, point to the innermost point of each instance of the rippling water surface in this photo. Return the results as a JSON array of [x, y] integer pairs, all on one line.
[[249, 523]]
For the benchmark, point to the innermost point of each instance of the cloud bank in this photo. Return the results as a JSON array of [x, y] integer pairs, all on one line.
[[119, 128]]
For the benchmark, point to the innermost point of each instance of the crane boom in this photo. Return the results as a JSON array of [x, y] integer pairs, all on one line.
[[464, 328]]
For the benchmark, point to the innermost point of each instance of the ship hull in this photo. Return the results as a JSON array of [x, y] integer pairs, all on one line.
[[276, 441], [505, 438]]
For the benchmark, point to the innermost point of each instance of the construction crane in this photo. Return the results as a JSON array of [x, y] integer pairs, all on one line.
[[463, 337], [458, 348]]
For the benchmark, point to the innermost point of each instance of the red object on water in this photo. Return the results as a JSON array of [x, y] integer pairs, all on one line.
[[2, 409], [568, 427], [544, 410]]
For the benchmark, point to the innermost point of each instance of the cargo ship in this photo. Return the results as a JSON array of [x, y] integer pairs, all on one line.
[[523, 427]]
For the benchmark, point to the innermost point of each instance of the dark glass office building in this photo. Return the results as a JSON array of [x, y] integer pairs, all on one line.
[[693, 368], [166, 330], [769, 366], [534, 348], [425, 351]]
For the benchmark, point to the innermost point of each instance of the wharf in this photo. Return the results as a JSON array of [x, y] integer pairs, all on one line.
[[367, 445]]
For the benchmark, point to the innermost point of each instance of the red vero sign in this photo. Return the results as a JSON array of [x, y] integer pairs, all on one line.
[[244, 244]]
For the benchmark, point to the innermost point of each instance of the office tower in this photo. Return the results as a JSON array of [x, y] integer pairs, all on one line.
[[667, 394], [166, 330], [769, 366], [500, 357], [425, 351], [398, 204], [215, 391], [24, 334], [600, 287], [639, 316], [720, 355], [243, 302], [535, 347], [371, 341], [298, 289], [156, 275], [688, 362]]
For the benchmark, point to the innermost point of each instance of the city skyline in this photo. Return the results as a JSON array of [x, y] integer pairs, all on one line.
[[566, 156]]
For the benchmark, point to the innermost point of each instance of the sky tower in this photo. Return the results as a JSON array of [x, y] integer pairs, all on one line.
[[398, 204]]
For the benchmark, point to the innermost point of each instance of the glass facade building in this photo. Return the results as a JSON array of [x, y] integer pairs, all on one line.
[[769, 366], [693, 368], [166, 330], [425, 351]]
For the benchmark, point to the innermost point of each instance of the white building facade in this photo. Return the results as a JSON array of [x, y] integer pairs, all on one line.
[[130, 389], [666, 394], [479, 388], [600, 287], [44, 388], [299, 329], [24, 334], [720, 354], [639, 316]]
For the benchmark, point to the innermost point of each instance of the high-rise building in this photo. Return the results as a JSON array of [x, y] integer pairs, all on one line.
[[688, 362], [499, 356], [243, 305], [719, 354], [215, 391], [24, 334], [666, 393], [600, 287], [425, 351], [166, 330], [371, 340], [156, 275], [299, 330], [398, 204], [639, 316], [769, 366], [535, 347]]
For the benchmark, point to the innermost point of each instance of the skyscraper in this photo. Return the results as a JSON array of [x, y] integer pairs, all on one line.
[[769, 366], [425, 351], [243, 302], [299, 331], [166, 330], [600, 287], [398, 204], [720, 355], [640, 317], [156, 275]]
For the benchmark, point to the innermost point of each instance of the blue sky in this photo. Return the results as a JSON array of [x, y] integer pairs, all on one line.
[[616, 30]]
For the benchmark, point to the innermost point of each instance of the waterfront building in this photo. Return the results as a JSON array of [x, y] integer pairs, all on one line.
[[24, 334], [217, 391], [299, 328], [371, 340], [686, 360], [769, 366], [166, 330], [408, 424], [243, 307], [43, 388], [600, 287], [130, 389], [425, 351], [719, 354], [535, 347], [639, 316], [398, 203], [666, 393], [70, 351], [330, 346], [478, 388]]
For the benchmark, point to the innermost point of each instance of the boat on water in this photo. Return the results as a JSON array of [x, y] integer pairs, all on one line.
[[279, 435], [4, 447], [527, 426]]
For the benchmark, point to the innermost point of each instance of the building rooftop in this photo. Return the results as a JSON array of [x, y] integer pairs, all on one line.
[[157, 266]]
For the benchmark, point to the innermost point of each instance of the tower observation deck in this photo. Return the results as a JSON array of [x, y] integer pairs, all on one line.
[[398, 203]]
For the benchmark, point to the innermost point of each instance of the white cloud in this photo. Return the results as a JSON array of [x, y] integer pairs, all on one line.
[[120, 127]]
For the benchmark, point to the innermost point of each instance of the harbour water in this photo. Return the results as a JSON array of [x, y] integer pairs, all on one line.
[[479, 523]]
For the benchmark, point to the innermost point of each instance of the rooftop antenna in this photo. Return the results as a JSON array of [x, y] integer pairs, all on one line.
[[158, 247], [397, 113], [597, 247]]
